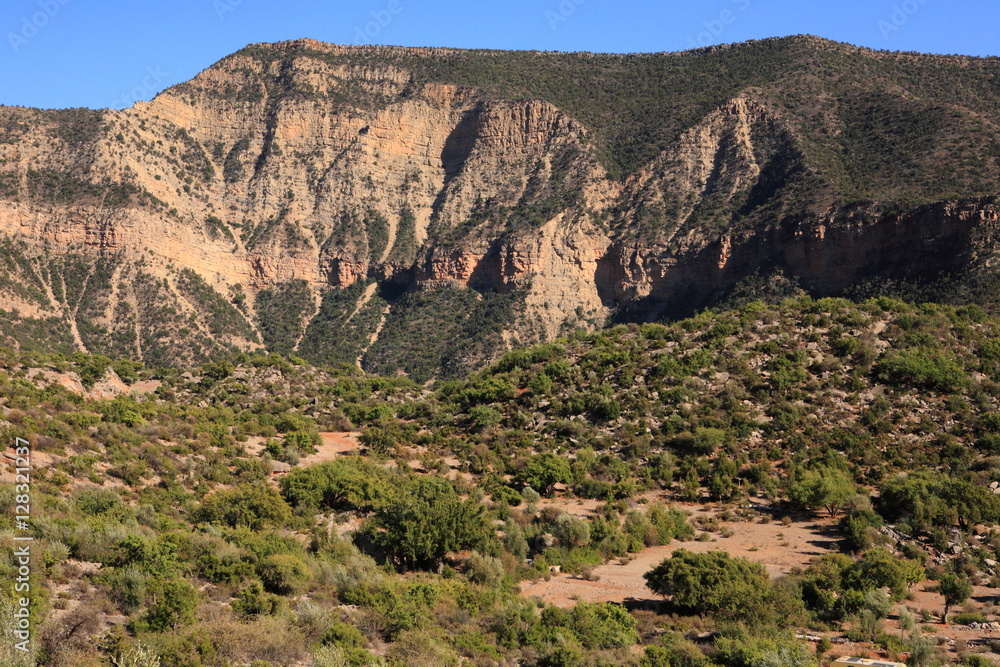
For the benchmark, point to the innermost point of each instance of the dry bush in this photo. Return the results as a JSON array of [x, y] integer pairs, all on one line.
[[136, 655], [76, 657], [422, 648], [68, 640], [312, 620], [265, 638]]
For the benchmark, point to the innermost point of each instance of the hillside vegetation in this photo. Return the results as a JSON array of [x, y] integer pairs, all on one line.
[[163, 537]]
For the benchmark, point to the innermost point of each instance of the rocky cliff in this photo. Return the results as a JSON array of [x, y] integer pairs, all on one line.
[[422, 209]]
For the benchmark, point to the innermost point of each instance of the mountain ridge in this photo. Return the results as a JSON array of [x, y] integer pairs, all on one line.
[[500, 198]]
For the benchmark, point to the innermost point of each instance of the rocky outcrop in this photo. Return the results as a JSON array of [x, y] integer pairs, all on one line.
[[828, 256]]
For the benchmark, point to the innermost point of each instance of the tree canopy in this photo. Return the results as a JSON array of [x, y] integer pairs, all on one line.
[[927, 498], [826, 487], [712, 582], [428, 520]]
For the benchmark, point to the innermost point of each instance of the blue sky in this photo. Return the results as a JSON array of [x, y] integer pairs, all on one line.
[[65, 53]]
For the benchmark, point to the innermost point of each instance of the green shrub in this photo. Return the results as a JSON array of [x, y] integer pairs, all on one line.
[[922, 368], [668, 524], [968, 618], [252, 505], [284, 574], [346, 483], [484, 570], [504, 495], [675, 652], [428, 520], [703, 441], [252, 600], [174, 606], [303, 441], [342, 634], [484, 417], [571, 531], [98, 502], [880, 568], [123, 410], [712, 582], [744, 649], [603, 625], [544, 471], [857, 528]]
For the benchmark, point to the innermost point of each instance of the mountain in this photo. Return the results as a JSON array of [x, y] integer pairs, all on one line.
[[342, 203]]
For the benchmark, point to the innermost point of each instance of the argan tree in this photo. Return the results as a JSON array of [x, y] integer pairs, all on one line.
[[955, 590]]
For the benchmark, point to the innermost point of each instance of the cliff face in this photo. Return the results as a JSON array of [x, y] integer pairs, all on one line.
[[295, 192]]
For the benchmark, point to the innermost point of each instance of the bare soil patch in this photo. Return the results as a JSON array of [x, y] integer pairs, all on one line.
[[924, 601], [578, 507], [255, 445], [778, 547], [143, 387], [335, 445]]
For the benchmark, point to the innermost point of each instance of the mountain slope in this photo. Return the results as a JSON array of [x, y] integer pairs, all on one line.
[[330, 200]]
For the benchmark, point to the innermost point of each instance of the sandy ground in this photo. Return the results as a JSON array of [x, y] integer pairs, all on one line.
[[779, 548], [143, 387], [335, 444], [931, 601], [578, 507], [254, 445]]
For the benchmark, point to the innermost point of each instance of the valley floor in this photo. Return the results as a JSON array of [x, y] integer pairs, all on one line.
[[777, 546]]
